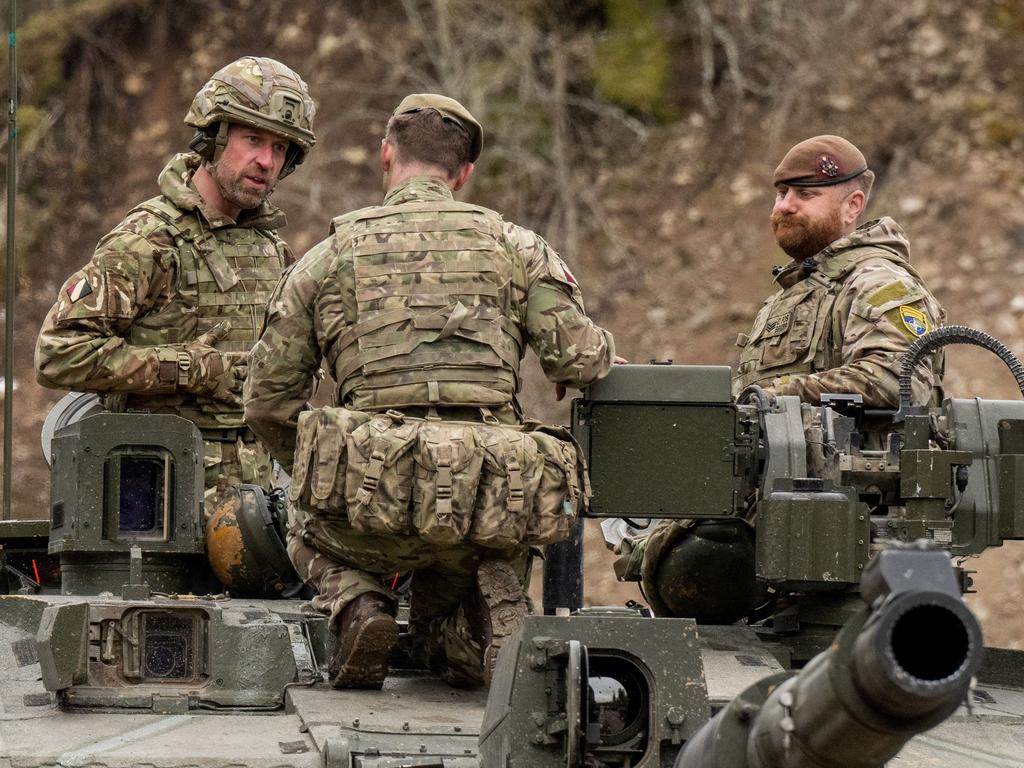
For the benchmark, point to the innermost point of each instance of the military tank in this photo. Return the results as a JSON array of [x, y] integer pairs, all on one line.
[[126, 650]]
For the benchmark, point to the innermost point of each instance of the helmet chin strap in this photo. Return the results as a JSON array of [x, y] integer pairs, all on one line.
[[209, 146], [220, 142]]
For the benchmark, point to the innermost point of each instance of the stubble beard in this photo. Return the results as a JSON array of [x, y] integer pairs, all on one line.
[[233, 190], [801, 237]]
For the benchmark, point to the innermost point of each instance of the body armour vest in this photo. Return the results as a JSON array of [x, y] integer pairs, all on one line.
[[435, 321], [796, 331], [225, 275]]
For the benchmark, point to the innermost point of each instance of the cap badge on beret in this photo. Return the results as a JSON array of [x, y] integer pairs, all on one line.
[[827, 166]]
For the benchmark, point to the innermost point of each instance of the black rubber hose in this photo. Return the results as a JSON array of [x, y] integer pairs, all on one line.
[[755, 392], [953, 334]]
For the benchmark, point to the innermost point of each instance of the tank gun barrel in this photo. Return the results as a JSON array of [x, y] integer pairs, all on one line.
[[900, 667]]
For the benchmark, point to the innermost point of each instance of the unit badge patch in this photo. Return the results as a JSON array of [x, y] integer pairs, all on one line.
[[915, 320], [79, 289]]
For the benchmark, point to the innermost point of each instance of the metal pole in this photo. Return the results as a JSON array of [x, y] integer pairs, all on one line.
[[12, 274]]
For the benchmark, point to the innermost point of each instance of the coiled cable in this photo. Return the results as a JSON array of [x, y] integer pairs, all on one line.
[[953, 334]]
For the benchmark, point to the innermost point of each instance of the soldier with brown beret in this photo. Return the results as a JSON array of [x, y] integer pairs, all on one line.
[[849, 303], [422, 308]]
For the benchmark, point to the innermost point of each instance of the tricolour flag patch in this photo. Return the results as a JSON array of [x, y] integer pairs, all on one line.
[[79, 289]]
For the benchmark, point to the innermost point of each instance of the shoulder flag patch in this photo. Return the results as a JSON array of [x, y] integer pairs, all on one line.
[[915, 320], [79, 289]]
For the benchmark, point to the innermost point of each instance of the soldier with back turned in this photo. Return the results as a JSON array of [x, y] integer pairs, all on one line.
[[422, 309]]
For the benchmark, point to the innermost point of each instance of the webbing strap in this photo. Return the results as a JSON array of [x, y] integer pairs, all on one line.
[[444, 483], [516, 492], [372, 476], [361, 328], [474, 266], [461, 287]]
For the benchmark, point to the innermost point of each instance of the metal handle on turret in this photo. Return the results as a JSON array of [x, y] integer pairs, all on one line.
[[940, 337]]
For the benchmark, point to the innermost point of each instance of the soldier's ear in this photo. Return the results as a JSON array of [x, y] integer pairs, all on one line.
[[462, 177], [387, 155], [853, 206]]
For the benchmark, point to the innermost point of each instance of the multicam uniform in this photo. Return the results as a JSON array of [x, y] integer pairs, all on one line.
[[422, 303], [170, 271], [841, 322]]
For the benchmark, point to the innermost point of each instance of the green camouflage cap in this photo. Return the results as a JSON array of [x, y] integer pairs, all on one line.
[[449, 109], [820, 162]]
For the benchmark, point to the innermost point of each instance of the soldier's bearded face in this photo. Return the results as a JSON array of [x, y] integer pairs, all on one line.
[[806, 220], [247, 170]]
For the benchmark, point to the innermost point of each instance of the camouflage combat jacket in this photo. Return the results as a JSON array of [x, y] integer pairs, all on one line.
[[172, 269], [841, 321], [421, 301]]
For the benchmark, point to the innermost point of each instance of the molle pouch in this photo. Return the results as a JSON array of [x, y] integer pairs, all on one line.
[[511, 474], [329, 459], [379, 480], [563, 489], [305, 437], [448, 464], [787, 336]]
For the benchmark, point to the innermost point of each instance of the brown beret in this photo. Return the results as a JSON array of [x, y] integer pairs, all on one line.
[[820, 162], [449, 109]]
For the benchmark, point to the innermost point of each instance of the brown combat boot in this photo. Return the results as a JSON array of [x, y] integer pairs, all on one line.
[[366, 634], [495, 609]]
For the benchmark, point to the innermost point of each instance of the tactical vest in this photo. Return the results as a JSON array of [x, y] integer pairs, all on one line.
[[435, 321], [796, 331], [225, 275]]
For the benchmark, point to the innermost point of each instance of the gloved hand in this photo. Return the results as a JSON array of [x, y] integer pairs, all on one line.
[[204, 370]]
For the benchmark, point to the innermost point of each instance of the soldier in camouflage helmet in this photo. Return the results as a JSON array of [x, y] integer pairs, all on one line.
[[162, 317], [849, 303], [420, 307]]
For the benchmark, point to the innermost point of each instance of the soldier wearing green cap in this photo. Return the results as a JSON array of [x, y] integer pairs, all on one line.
[[162, 317], [421, 309], [849, 303]]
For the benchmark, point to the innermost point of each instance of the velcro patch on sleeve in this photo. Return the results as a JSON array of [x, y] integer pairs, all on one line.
[[79, 289], [888, 293]]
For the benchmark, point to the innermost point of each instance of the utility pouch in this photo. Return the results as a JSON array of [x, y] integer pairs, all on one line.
[[512, 469], [319, 470], [447, 474], [305, 437], [564, 487], [379, 480]]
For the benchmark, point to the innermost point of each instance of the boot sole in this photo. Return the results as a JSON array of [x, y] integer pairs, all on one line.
[[366, 664], [506, 604]]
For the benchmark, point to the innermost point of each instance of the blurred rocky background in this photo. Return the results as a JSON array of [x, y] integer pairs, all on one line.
[[637, 135]]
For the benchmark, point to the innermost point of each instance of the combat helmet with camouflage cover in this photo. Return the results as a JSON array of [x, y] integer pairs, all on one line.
[[259, 92]]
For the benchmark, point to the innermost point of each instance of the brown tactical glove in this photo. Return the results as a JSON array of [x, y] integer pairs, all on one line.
[[204, 370]]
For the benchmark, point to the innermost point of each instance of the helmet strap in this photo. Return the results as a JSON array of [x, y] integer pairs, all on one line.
[[220, 142], [292, 158]]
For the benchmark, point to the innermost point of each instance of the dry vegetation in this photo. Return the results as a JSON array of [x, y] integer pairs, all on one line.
[[638, 135]]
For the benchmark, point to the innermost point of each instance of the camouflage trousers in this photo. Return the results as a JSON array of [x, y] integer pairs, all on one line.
[[233, 463], [341, 564]]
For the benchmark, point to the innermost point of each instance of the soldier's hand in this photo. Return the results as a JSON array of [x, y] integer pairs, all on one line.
[[206, 370]]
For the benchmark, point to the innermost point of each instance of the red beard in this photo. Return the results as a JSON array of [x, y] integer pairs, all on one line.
[[800, 237]]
